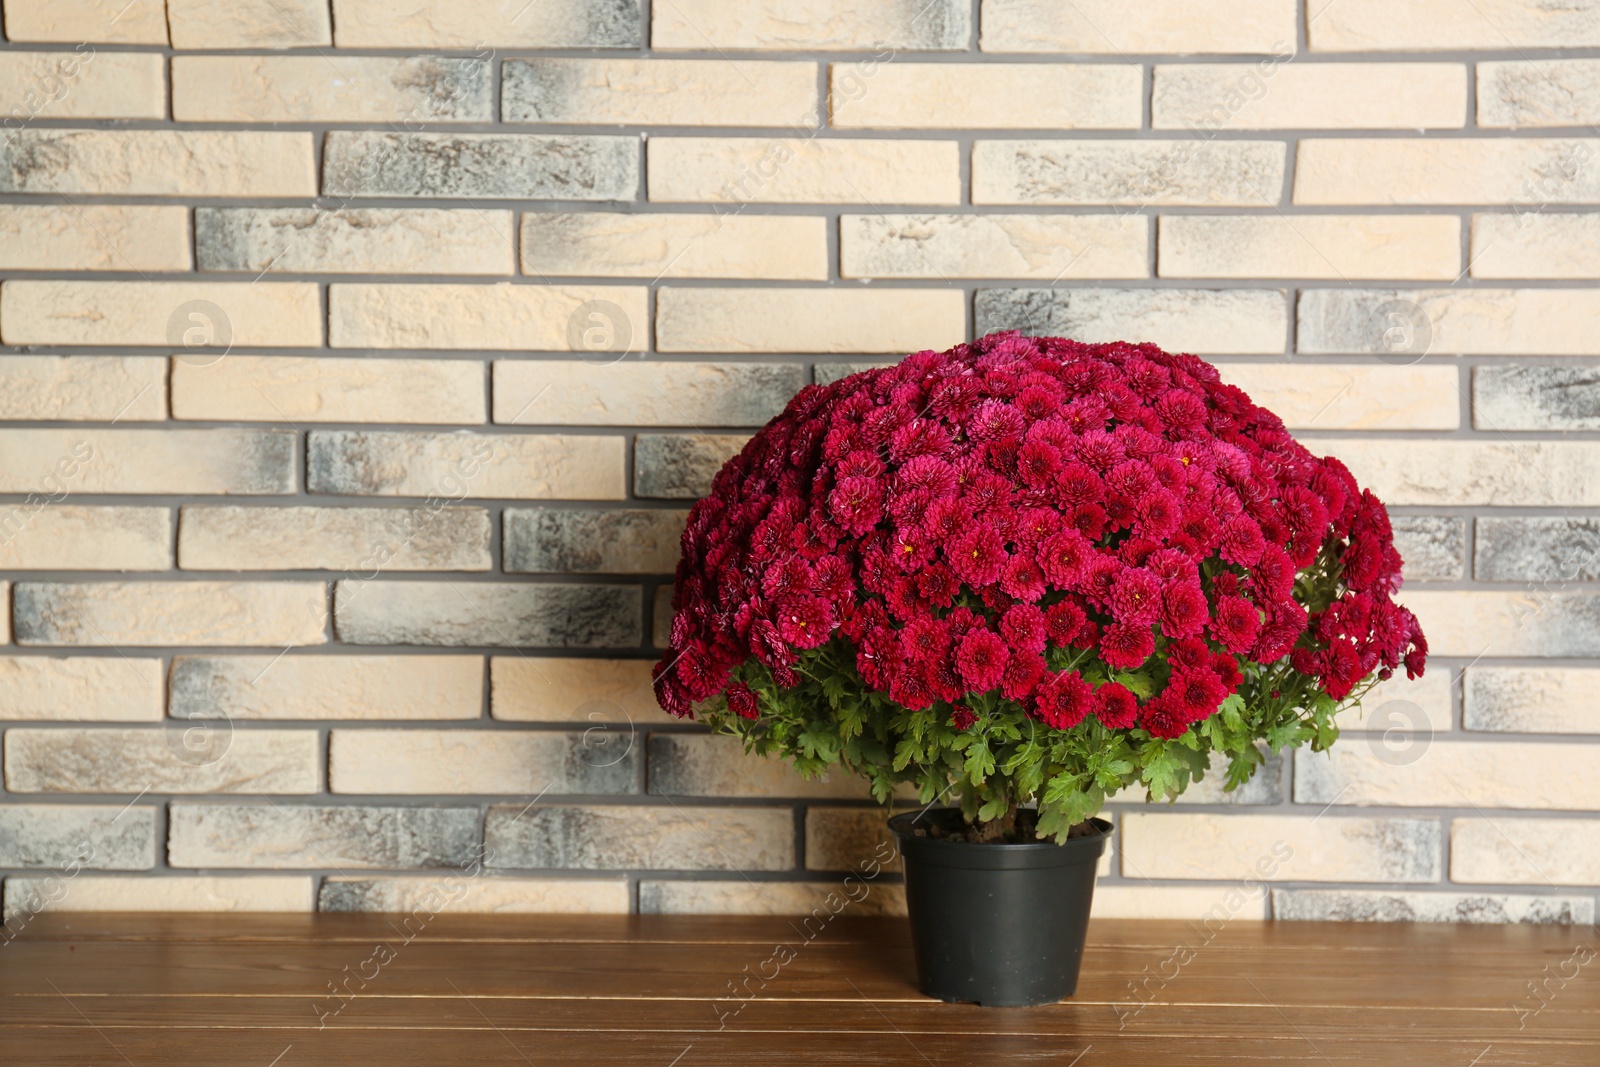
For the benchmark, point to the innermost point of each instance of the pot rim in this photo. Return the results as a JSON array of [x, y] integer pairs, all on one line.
[[1072, 850]]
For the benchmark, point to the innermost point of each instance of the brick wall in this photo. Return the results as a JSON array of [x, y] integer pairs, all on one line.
[[358, 366]]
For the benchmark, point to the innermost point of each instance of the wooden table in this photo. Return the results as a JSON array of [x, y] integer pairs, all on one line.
[[105, 990]]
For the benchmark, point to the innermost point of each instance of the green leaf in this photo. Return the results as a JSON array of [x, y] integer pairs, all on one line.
[[1139, 682]]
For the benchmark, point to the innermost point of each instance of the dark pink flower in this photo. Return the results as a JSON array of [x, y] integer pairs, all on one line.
[[981, 660]]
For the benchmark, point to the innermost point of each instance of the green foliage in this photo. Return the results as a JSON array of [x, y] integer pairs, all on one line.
[[1008, 758]]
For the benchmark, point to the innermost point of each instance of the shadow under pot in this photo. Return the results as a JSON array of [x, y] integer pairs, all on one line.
[[1002, 925]]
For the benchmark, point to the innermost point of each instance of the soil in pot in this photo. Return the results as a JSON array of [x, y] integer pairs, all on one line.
[[999, 924]]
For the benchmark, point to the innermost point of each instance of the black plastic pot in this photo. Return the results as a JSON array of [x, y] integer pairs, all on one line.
[[1002, 925]]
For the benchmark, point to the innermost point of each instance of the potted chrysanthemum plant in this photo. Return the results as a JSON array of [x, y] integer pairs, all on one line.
[[1022, 575]]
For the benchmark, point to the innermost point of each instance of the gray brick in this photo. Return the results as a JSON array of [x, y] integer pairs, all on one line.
[[109, 838], [468, 891], [661, 617], [457, 465], [476, 613], [1529, 397], [1338, 905], [712, 765], [828, 373], [1546, 549], [361, 241], [1162, 173], [490, 166], [574, 541], [669, 466], [1237, 321], [1434, 547], [679, 838], [176, 759], [292, 836]]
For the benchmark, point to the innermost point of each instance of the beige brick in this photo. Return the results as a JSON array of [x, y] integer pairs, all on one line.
[[1412, 247], [355, 241], [1490, 322], [1420, 707], [818, 901], [250, 24], [291, 389], [1446, 773], [1211, 904], [480, 24], [1168, 173], [1402, 170], [616, 245], [579, 393], [795, 170], [711, 765], [1439, 25], [208, 893], [83, 84], [1500, 473], [1044, 247], [463, 894], [48, 537], [1549, 92], [193, 315], [1100, 96], [219, 163], [95, 460], [1538, 852], [97, 21], [808, 320], [93, 237], [683, 837], [1320, 96], [1474, 623], [1105, 26], [111, 688], [459, 465], [524, 762], [327, 687], [1533, 700], [659, 92], [598, 692], [1324, 396], [174, 759], [363, 541], [95, 388], [1279, 848], [1536, 244], [558, 318], [1224, 321], [419, 90], [124, 614], [845, 839], [836, 25]]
